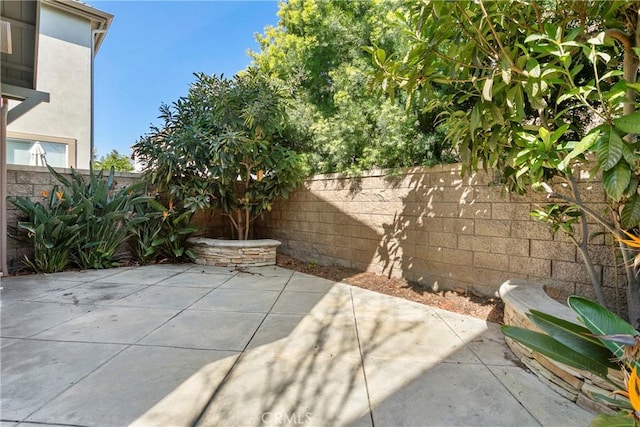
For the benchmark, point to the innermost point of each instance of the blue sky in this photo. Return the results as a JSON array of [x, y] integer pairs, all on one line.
[[152, 50]]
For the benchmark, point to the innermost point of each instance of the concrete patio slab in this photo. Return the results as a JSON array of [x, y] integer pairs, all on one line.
[[410, 341], [166, 267], [139, 276], [330, 303], [25, 319], [311, 335], [92, 293], [319, 389], [445, 394], [85, 275], [484, 340], [163, 297], [4, 342], [195, 280], [27, 288], [110, 324], [301, 282], [274, 328], [242, 300], [249, 281], [34, 372], [211, 269], [209, 330], [533, 395], [269, 271], [368, 304], [172, 353], [129, 385]]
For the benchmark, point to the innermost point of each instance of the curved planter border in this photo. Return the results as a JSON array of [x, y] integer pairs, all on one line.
[[234, 253], [519, 297]]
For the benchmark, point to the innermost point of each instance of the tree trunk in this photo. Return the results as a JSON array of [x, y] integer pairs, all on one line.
[[633, 288], [240, 225]]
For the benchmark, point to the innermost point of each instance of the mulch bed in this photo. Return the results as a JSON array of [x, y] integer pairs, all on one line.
[[468, 303]]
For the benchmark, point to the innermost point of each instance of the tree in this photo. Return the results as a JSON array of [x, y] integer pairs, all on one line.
[[221, 147], [334, 118], [119, 163], [535, 90]]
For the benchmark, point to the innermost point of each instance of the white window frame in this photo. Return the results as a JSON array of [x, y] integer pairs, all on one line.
[[31, 137]]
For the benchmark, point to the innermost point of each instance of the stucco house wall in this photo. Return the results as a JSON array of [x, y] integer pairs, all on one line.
[[64, 71]]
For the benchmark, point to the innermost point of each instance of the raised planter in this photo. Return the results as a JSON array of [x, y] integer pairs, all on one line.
[[520, 297], [234, 253]]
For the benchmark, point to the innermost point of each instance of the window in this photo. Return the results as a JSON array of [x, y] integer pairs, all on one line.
[[34, 151]]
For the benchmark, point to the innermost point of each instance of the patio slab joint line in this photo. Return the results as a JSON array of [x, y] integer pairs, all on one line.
[[364, 373], [490, 371], [179, 311], [219, 387], [98, 367]]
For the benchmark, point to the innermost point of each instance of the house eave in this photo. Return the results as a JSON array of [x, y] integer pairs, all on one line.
[[99, 19]]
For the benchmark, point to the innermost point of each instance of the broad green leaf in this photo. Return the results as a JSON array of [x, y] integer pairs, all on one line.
[[616, 180], [616, 420], [475, 119], [628, 154], [547, 346], [610, 146], [601, 321], [615, 400], [632, 188], [535, 37], [585, 144], [630, 215], [573, 336], [629, 123], [612, 73], [533, 67], [575, 70]]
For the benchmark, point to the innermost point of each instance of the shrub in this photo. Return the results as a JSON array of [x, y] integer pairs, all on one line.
[[221, 147], [81, 222]]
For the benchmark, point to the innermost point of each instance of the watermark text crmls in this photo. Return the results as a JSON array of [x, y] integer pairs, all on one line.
[[282, 418]]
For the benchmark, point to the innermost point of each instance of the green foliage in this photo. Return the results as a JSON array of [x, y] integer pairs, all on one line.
[[558, 217], [316, 52], [101, 210], [534, 90], [48, 226], [221, 147], [604, 343], [162, 234], [115, 161], [81, 221], [519, 93]]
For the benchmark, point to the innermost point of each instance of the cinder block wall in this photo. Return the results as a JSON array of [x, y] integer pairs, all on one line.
[[431, 226]]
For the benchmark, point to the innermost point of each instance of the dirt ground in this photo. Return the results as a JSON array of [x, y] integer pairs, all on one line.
[[490, 309]]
